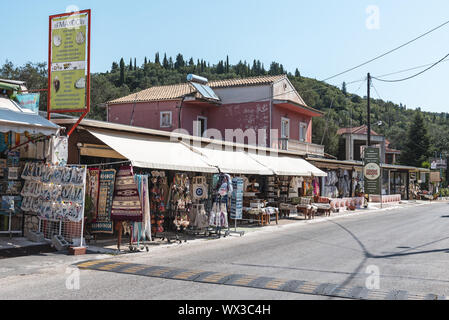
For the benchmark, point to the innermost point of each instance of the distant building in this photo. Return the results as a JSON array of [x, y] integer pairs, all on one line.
[[353, 141], [266, 103]]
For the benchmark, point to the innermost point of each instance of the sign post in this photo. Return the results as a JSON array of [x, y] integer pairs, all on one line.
[[372, 171], [69, 64]]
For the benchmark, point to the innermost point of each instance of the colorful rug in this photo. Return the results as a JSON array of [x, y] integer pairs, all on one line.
[[142, 230], [103, 222], [126, 203], [93, 186]]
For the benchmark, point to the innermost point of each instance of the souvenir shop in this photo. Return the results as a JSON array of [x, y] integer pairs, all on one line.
[[165, 189], [147, 203], [42, 197], [343, 183]]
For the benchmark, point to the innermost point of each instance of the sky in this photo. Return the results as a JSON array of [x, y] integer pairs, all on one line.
[[321, 38]]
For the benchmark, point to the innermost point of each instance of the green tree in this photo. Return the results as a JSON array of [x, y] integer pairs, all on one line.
[[165, 62], [122, 72], [179, 62], [156, 59], [114, 67], [417, 143], [343, 88]]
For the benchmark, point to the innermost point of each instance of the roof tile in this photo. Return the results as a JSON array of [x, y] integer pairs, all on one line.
[[177, 91]]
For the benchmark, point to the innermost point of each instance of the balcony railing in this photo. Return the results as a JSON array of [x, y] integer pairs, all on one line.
[[298, 146]]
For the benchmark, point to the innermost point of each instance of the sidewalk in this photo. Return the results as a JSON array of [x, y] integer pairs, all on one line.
[[21, 246]]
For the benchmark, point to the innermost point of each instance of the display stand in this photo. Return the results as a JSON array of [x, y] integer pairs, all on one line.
[[236, 204], [10, 231]]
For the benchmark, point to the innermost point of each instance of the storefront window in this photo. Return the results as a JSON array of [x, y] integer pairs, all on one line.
[[385, 182]]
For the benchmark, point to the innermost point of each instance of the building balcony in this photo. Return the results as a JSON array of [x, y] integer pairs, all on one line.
[[298, 146]]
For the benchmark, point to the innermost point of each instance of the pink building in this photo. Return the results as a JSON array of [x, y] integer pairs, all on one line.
[[267, 107]]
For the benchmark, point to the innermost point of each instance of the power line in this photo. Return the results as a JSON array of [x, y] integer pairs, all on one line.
[[372, 85], [396, 72], [415, 75], [388, 52], [410, 69]]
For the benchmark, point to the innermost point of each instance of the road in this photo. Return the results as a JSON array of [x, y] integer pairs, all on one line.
[[409, 247]]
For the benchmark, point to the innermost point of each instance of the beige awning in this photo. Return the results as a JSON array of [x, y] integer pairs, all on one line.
[[145, 153], [233, 162], [288, 166]]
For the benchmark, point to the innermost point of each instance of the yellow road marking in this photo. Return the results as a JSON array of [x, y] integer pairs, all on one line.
[[187, 274], [275, 284], [90, 263], [112, 266], [309, 287], [158, 273], [245, 280], [216, 277], [134, 269]]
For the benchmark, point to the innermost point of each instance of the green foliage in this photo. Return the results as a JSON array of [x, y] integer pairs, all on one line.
[[417, 143], [425, 164], [444, 192], [340, 109]]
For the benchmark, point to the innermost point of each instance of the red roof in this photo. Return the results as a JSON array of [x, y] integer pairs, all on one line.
[[357, 130]]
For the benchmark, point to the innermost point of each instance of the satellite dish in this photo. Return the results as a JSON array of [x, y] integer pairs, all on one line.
[[197, 79]]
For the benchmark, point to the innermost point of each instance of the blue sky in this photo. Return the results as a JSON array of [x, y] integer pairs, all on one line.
[[321, 37]]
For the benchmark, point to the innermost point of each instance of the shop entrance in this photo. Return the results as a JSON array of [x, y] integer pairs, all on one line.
[[399, 184]]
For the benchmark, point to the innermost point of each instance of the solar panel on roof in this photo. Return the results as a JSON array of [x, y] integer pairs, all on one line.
[[205, 91], [211, 92]]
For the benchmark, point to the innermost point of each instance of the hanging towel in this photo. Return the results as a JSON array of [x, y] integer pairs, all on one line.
[[126, 205]]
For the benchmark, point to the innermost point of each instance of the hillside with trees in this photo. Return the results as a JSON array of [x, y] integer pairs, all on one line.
[[341, 108]]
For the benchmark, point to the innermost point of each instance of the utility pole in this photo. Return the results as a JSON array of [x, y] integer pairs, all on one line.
[[369, 111]]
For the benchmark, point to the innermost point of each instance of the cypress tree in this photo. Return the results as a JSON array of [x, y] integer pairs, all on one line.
[[417, 143], [114, 67], [156, 59], [165, 62], [343, 88], [130, 63], [135, 64], [122, 72], [179, 61]]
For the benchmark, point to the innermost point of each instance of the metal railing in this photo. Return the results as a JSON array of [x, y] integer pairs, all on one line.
[[299, 146]]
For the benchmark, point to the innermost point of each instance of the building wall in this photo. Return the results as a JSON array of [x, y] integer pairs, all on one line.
[[146, 114], [244, 116], [242, 108], [283, 90], [295, 118]]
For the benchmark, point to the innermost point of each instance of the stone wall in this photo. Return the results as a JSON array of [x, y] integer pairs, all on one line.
[[31, 223]]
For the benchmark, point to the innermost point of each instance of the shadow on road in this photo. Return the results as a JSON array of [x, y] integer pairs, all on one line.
[[369, 255]]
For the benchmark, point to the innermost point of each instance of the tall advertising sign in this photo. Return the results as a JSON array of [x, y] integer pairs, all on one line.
[[69, 63], [372, 171]]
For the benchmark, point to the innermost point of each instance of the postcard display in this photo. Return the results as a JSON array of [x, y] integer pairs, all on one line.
[[10, 186], [56, 195]]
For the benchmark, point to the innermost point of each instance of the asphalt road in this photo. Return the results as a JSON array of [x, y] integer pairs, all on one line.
[[408, 246]]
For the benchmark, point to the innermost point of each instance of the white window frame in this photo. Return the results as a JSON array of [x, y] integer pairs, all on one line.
[[198, 127], [161, 116], [306, 127], [287, 121]]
